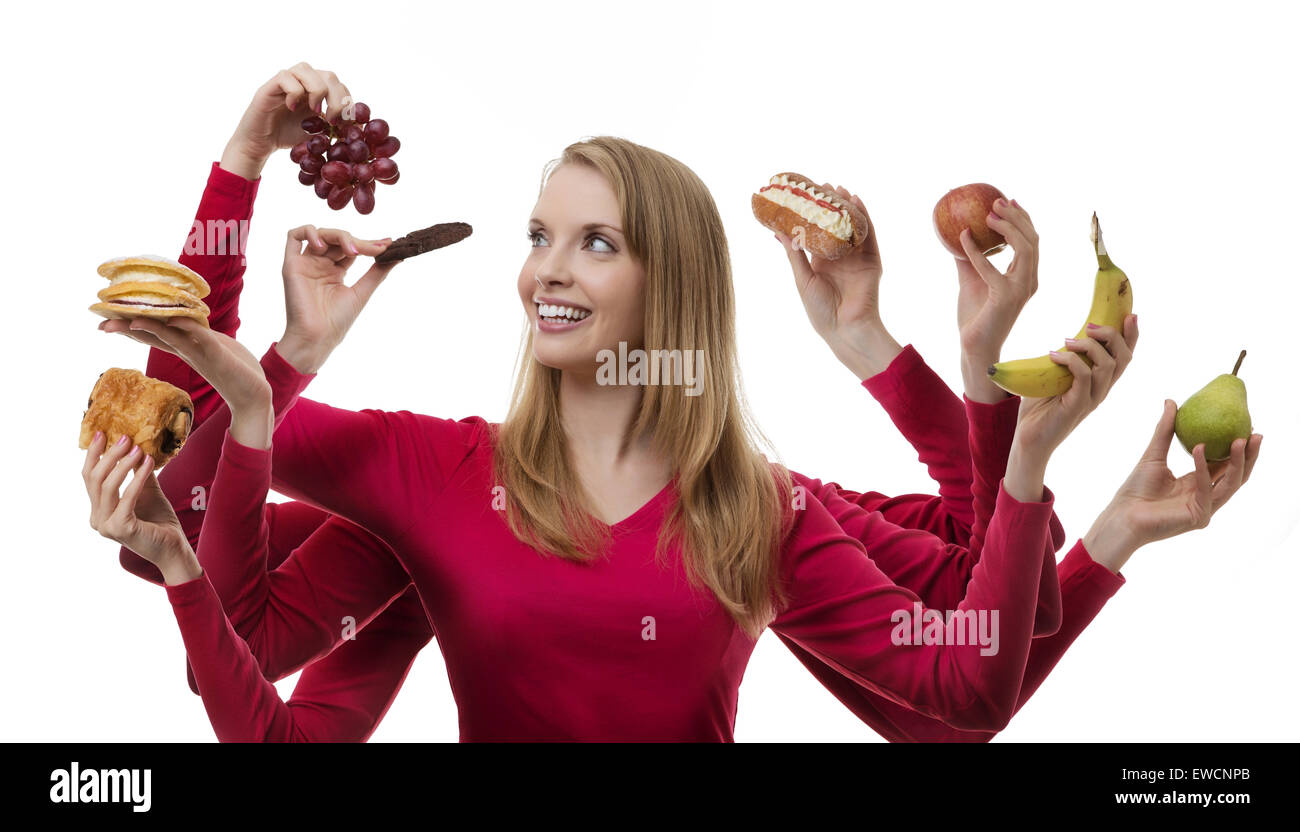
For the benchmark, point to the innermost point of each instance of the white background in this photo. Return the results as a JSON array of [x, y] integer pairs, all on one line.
[[1175, 122]]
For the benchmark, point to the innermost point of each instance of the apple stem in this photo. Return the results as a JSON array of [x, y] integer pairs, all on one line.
[[1240, 359]]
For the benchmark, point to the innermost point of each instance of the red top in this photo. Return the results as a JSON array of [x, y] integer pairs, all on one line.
[[542, 648], [337, 699]]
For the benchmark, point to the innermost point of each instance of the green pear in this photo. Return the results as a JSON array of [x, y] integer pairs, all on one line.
[[1215, 415]]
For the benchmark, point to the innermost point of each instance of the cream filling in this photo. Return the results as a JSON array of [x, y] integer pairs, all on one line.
[[146, 300], [838, 224], [148, 275]]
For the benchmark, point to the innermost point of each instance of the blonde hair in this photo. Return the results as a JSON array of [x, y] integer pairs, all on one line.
[[733, 511]]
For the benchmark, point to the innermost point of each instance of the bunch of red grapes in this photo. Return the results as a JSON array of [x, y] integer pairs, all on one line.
[[344, 158]]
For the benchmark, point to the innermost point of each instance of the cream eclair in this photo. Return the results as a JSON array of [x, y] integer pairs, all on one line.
[[831, 225]]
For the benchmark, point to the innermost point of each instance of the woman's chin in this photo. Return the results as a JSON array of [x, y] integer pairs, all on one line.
[[564, 360]]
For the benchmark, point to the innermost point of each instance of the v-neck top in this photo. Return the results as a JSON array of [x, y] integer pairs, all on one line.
[[539, 647]]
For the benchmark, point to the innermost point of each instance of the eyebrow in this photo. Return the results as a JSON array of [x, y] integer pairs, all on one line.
[[588, 227]]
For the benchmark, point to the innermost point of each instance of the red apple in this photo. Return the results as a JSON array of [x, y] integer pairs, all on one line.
[[966, 207]]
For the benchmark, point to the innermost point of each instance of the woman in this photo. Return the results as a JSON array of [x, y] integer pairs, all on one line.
[[269, 122]]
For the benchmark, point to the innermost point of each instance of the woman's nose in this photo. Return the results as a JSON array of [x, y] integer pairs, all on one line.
[[554, 271]]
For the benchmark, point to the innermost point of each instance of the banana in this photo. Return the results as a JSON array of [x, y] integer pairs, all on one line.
[[1112, 301]]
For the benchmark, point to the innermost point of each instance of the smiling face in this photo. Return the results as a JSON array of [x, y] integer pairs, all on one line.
[[581, 287]]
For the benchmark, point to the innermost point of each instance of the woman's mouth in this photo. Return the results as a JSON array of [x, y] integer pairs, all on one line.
[[553, 317]]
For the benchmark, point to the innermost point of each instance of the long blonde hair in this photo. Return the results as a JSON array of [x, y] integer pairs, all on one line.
[[733, 510]]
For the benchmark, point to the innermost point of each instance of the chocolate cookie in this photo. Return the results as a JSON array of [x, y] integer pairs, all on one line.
[[426, 239]]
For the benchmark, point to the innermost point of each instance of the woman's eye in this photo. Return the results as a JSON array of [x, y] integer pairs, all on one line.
[[608, 248], [534, 236]]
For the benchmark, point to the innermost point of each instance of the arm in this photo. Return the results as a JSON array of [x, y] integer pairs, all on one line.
[[1086, 586], [241, 704], [235, 535], [941, 581], [933, 421], [1151, 505], [187, 479], [376, 468], [844, 611], [356, 683], [843, 629], [215, 249], [294, 614]]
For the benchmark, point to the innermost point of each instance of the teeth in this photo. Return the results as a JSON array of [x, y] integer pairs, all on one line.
[[556, 312]]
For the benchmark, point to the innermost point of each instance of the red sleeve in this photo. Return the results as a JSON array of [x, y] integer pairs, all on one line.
[[186, 480], [376, 468], [846, 612], [933, 421], [300, 611], [241, 704], [225, 209], [214, 249], [940, 579], [964, 445], [1085, 588], [992, 431], [936, 570], [355, 685]]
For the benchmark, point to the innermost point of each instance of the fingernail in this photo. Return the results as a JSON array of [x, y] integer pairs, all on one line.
[[134, 450], [1000, 202], [121, 440], [99, 434], [1017, 204], [1071, 340], [1054, 352], [1093, 326]]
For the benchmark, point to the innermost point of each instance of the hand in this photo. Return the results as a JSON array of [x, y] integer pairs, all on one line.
[[274, 118], [319, 308], [841, 298], [1153, 505], [1045, 423], [141, 518], [988, 301], [230, 368], [227, 365]]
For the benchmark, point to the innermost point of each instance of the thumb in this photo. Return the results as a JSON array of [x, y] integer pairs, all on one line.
[[1158, 450], [803, 273], [365, 287], [978, 262]]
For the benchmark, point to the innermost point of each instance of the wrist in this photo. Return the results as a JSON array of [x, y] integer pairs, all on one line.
[[1025, 474], [179, 565], [301, 354], [866, 348], [238, 160], [1109, 542], [975, 377], [253, 423]]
